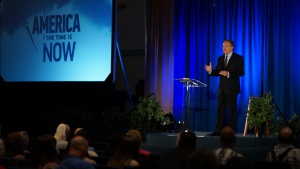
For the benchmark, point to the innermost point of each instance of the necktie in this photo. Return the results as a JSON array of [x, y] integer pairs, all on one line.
[[225, 60]]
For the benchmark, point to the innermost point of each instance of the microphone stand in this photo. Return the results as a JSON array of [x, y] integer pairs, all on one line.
[[287, 123]]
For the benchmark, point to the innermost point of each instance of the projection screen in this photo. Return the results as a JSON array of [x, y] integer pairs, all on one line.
[[56, 40]]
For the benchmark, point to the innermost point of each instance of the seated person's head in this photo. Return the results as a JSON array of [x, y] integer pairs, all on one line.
[[78, 146], [77, 129], [227, 137], [187, 140], [16, 143], [62, 132], [113, 143], [129, 146], [136, 134], [82, 132], [45, 143], [286, 136], [43, 150]]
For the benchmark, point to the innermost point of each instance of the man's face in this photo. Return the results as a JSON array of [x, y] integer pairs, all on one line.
[[227, 48]]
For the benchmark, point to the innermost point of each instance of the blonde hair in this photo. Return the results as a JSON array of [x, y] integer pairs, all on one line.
[[62, 132]]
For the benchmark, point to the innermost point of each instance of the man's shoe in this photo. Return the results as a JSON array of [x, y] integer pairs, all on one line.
[[214, 134]]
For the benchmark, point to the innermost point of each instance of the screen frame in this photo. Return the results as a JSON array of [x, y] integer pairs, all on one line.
[[50, 94], [109, 79]]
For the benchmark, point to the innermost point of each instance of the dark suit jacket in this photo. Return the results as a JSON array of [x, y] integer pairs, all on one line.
[[235, 66]]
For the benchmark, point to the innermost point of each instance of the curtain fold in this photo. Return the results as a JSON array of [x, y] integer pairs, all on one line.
[[265, 32], [159, 66]]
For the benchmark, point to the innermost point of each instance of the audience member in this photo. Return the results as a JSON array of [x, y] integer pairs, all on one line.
[[127, 153], [285, 150], [25, 140], [202, 158], [44, 153], [137, 134], [176, 158], [84, 133], [1, 152], [113, 143], [90, 152], [77, 129], [61, 135], [16, 144], [76, 153], [227, 139]]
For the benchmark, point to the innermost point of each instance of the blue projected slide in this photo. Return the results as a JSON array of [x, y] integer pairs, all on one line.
[[56, 40]]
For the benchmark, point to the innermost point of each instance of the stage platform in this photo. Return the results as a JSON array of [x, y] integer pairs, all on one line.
[[250, 146]]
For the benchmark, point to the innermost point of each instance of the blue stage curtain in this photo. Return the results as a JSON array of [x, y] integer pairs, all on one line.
[[265, 32]]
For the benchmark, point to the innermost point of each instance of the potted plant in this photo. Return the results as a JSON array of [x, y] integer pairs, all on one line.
[[261, 113], [146, 114]]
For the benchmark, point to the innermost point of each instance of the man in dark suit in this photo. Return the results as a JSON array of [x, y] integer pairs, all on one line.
[[229, 68]]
